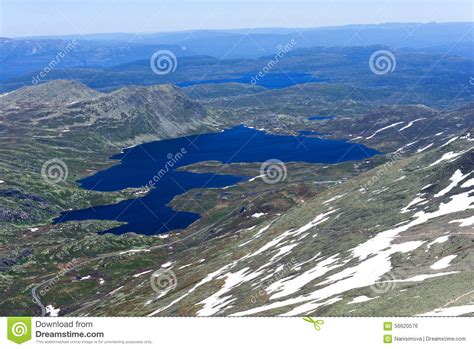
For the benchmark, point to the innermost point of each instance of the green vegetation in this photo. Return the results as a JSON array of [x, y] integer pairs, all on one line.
[[92, 274]]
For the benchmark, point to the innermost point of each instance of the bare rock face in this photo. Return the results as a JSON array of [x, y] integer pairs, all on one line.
[[125, 116], [162, 110], [53, 93]]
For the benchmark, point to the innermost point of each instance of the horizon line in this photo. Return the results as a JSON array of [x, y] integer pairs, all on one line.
[[45, 36]]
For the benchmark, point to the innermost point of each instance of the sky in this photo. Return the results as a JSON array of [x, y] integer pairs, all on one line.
[[48, 17]]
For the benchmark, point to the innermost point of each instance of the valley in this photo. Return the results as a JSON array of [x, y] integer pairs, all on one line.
[[148, 167], [371, 213]]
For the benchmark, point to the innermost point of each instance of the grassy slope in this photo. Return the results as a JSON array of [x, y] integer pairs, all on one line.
[[42, 254]]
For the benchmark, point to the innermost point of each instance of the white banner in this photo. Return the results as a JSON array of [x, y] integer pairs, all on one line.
[[238, 332]]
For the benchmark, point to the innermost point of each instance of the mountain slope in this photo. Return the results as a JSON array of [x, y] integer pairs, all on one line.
[[368, 246], [53, 93], [332, 240], [154, 112], [124, 116], [69, 121], [347, 240]]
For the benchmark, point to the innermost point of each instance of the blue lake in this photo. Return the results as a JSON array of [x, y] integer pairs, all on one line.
[[156, 163], [270, 81], [310, 133], [315, 118]]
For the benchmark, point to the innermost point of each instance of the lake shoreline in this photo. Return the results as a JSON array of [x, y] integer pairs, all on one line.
[[153, 165]]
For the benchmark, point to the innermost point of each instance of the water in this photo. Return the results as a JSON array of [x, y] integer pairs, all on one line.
[[315, 118], [138, 165], [311, 133], [270, 81]]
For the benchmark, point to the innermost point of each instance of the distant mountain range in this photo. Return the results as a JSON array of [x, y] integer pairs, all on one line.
[[20, 56], [397, 35], [425, 72]]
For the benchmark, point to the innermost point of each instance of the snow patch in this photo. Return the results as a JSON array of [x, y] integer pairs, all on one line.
[[449, 142], [448, 156], [410, 124], [443, 262], [52, 311], [400, 178], [254, 178], [424, 148], [384, 128], [466, 222], [333, 199], [416, 201], [362, 299], [469, 183], [455, 179], [289, 285], [439, 240], [217, 301], [185, 266], [423, 277], [142, 273]]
